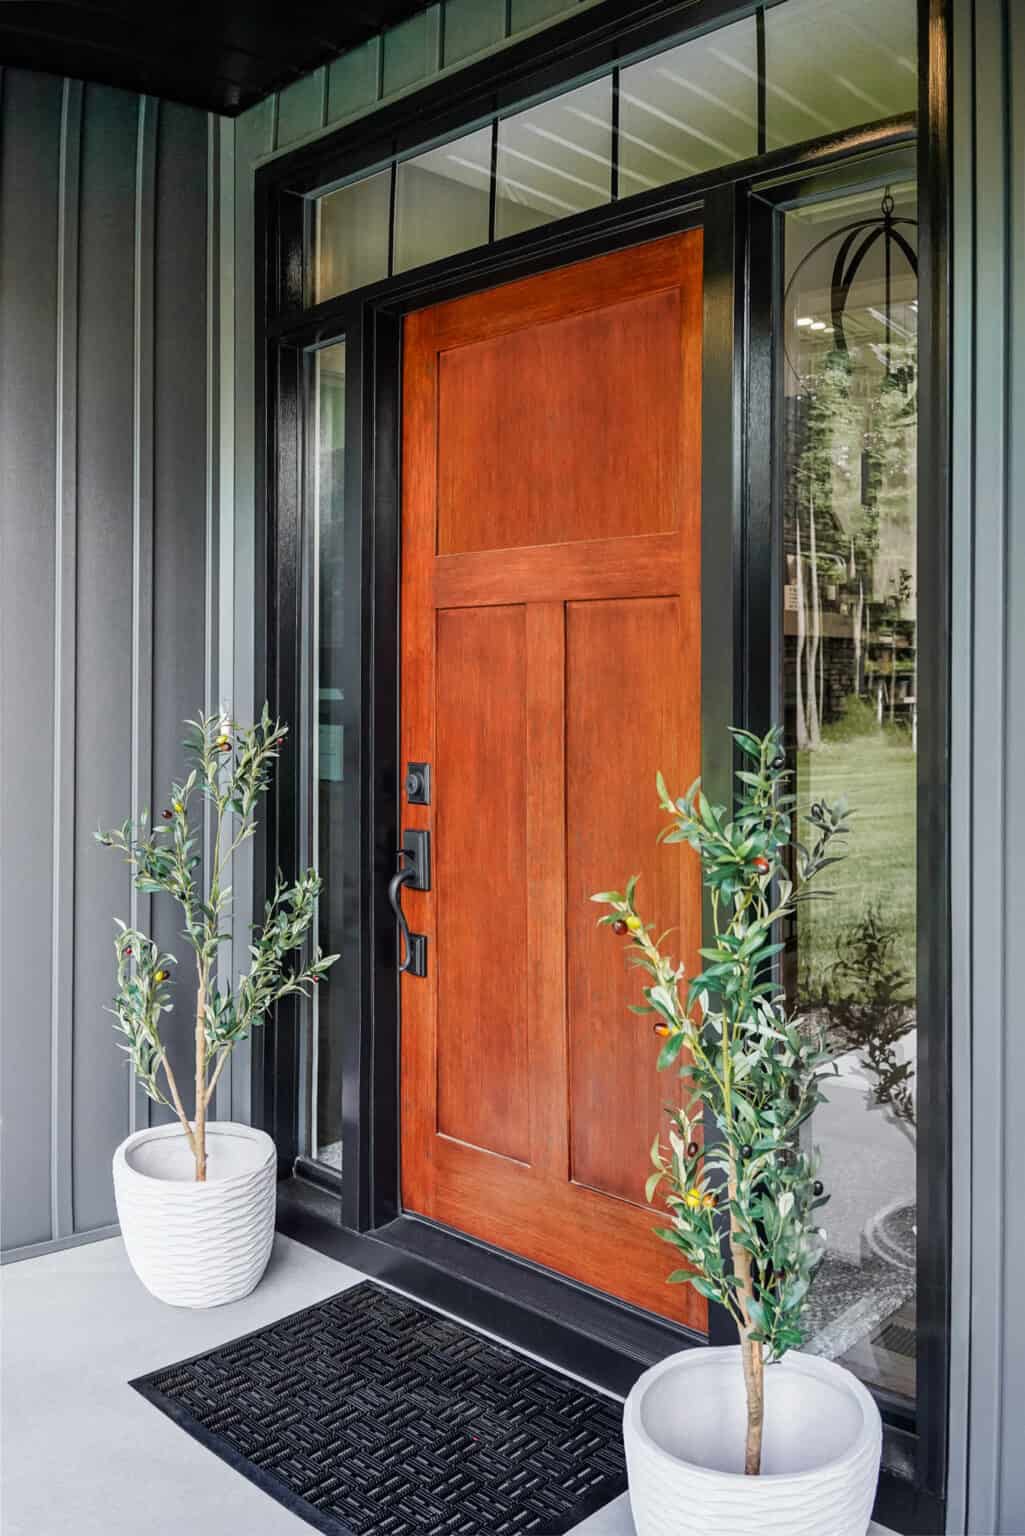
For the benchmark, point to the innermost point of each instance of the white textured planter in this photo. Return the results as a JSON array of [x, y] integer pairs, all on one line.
[[684, 1425], [197, 1245]]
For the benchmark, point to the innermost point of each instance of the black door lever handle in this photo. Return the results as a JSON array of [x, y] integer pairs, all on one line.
[[412, 946]]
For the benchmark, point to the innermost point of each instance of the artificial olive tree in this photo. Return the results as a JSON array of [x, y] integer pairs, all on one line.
[[753, 1072], [231, 770]]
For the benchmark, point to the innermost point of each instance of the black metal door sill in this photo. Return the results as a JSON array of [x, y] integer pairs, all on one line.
[[568, 1324]]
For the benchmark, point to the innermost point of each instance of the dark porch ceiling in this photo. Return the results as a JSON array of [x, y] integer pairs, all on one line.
[[222, 56]]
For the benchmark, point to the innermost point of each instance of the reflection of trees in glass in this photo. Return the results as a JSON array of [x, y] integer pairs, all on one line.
[[850, 497], [848, 417], [872, 1010], [848, 486]]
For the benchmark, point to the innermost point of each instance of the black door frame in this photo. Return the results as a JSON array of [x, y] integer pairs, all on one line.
[[362, 1220]]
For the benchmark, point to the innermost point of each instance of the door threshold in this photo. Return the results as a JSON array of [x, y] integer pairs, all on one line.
[[597, 1337], [605, 1341]]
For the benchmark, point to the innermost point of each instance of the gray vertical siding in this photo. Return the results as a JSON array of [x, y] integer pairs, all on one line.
[[106, 522], [253, 137], [30, 180], [179, 495], [102, 619], [987, 1483], [1012, 1475]]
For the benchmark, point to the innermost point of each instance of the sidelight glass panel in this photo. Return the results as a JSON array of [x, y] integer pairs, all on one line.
[[830, 67], [849, 365], [689, 110], [328, 687], [352, 236], [555, 159], [443, 201]]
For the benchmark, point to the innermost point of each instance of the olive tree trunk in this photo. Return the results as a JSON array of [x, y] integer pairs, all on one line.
[[199, 1124], [751, 1354]]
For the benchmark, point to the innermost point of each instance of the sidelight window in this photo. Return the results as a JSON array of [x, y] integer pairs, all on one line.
[[326, 682], [849, 421]]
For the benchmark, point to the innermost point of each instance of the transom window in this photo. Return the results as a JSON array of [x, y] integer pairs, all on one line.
[[800, 70]]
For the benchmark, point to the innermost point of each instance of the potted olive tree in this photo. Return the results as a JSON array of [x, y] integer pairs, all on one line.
[[195, 1198], [756, 1436]]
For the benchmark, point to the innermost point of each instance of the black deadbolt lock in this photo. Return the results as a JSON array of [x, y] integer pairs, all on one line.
[[418, 783]]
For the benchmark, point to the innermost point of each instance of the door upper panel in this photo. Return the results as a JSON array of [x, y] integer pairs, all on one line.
[[516, 410]]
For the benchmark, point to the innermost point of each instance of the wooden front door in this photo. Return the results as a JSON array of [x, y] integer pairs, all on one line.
[[550, 666]]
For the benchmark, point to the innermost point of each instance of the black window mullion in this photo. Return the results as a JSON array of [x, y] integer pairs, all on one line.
[[614, 178], [391, 218], [493, 183], [763, 140]]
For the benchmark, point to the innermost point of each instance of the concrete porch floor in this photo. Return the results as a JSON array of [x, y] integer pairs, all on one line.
[[83, 1453]]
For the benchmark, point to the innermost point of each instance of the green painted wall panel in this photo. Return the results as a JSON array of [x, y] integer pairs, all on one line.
[[354, 80], [411, 51], [471, 26], [301, 108], [530, 13]]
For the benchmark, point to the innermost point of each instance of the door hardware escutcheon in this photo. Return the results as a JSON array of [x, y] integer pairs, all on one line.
[[418, 783], [416, 848]]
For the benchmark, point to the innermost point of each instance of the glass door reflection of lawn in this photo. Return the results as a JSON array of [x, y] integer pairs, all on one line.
[[857, 954]]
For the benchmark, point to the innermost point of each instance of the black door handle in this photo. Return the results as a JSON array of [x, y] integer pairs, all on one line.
[[414, 870], [404, 874]]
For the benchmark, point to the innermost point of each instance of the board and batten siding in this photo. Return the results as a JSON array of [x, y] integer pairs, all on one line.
[[107, 597]]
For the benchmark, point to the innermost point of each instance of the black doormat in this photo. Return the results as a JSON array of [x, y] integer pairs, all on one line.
[[369, 1415]]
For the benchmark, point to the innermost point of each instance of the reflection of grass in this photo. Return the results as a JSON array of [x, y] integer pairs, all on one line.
[[877, 774]]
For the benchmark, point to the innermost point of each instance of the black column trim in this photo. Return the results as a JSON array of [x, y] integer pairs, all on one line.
[[933, 896], [722, 544]]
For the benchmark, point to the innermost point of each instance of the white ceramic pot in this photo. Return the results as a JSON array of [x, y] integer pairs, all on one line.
[[197, 1245], [684, 1425]]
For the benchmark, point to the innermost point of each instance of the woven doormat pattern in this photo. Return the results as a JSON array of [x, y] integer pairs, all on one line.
[[369, 1415]]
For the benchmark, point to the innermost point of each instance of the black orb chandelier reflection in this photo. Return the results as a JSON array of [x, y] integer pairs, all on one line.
[[856, 241]]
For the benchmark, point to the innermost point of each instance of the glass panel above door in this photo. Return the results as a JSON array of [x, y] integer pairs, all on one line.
[[352, 236], [683, 111], [848, 412], [830, 67], [689, 110], [443, 201], [555, 160]]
